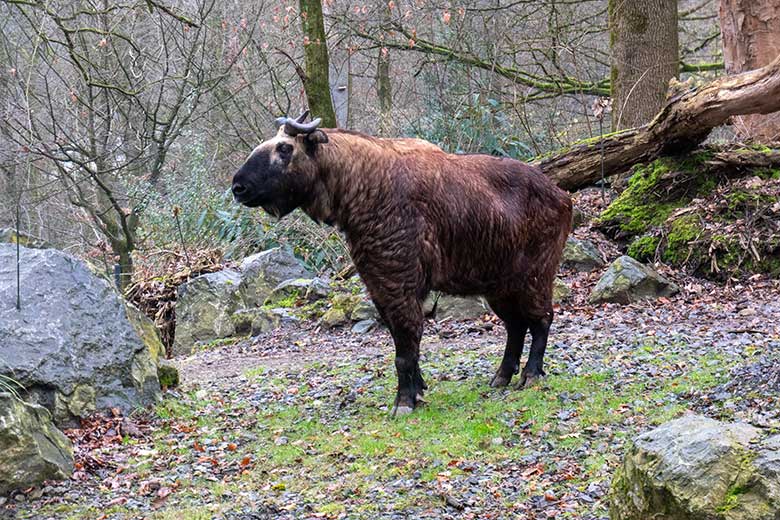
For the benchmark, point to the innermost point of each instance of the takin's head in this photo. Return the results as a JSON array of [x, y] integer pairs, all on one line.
[[280, 174]]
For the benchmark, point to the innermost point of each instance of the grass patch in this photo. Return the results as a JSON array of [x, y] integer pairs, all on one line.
[[321, 435]]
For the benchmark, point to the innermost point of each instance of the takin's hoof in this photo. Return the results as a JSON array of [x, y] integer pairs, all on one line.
[[401, 410], [529, 380], [500, 381], [405, 407]]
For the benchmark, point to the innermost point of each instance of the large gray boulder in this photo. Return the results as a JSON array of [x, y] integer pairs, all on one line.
[[581, 255], [204, 309], [227, 303], [32, 448], [71, 345], [697, 468], [627, 281], [261, 273]]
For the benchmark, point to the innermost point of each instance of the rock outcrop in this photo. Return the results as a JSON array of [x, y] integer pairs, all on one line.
[[32, 449], [71, 346], [698, 468], [628, 281]]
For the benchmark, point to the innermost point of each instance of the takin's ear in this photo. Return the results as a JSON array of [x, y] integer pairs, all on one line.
[[317, 137]]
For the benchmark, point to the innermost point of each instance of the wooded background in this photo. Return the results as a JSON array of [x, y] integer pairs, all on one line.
[[122, 122]]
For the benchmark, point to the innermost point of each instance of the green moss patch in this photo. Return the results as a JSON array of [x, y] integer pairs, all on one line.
[[644, 248], [654, 191], [677, 211], [680, 239]]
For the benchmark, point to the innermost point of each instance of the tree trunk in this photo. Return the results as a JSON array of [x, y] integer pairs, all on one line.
[[384, 90], [751, 39], [316, 82], [125, 254], [683, 123], [645, 56]]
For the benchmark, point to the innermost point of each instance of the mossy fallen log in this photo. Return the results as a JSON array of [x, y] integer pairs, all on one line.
[[685, 122]]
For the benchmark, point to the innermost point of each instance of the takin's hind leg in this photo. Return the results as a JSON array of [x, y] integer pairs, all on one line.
[[516, 328], [534, 368]]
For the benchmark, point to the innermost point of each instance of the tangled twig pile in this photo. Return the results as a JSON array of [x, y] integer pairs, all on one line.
[[156, 282]]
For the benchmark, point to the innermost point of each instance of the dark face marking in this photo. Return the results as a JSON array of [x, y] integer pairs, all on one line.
[[268, 178]]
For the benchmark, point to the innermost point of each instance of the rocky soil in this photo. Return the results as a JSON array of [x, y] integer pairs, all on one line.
[[294, 423]]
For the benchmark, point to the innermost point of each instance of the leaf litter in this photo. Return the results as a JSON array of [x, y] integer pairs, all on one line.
[[294, 423]]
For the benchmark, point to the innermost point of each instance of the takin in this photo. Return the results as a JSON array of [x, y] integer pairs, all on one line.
[[418, 219]]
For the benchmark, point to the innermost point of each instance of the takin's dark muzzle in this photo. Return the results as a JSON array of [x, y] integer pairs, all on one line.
[[253, 182]]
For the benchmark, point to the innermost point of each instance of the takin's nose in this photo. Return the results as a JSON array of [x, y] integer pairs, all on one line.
[[239, 190]]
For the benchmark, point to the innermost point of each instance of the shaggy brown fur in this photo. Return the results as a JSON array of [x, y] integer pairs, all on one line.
[[418, 219]]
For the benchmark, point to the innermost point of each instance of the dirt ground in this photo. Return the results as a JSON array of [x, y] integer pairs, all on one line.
[[295, 423]]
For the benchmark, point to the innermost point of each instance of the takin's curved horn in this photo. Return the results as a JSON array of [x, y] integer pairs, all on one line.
[[293, 127], [303, 116]]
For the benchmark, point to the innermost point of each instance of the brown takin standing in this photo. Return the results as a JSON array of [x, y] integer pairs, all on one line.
[[418, 219]]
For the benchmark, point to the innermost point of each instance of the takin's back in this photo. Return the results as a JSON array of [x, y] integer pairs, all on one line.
[[486, 191], [486, 219]]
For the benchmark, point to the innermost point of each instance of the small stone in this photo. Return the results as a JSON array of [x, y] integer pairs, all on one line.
[[747, 311], [565, 415], [364, 310], [628, 281], [561, 291], [578, 217], [402, 410], [281, 441], [298, 289], [167, 374], [285, 316], [581, 255], [334, 317], [364, 326]]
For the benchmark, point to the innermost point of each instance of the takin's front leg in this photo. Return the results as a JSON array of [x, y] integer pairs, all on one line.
[[404, 317]]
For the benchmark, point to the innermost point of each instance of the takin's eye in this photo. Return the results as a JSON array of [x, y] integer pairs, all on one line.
[[284, 149]]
